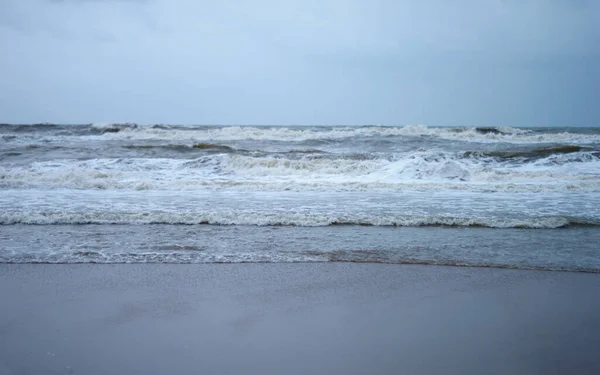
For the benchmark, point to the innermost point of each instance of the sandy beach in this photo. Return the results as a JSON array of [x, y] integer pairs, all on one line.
[[296, 319]]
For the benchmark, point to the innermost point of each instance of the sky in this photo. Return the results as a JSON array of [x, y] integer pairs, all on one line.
[[388, 62]]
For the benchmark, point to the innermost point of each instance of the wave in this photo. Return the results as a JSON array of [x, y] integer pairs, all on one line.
[[286, 219], [31, 128], [182, 147], [199, 257], [496, 130], [534, 153], [211, 146], [114, 127], [300, 134], [223, 168]]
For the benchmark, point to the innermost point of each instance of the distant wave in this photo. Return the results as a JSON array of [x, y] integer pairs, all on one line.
[[233, 133], [198, 146], [30, 128], [215, 134], [114, 127], [534, 153]]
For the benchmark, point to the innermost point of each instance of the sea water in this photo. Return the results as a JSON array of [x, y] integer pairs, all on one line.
[[119, 193]]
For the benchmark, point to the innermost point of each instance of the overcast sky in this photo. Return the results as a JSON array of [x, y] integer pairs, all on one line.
[[393, 62]]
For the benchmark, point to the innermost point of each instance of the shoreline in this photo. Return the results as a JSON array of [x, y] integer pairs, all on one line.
[[572, 249], [296, 318], [400, 263]]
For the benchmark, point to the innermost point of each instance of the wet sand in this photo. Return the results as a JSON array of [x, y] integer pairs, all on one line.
[[296, 319]]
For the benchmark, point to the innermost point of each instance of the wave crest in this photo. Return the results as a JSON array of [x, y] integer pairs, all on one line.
[[285, 219], [300, 134], [222, 167]]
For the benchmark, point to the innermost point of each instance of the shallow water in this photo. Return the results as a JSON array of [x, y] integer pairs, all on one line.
[[573, 249]]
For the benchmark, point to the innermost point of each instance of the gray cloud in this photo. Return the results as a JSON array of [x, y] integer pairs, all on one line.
[[265, 61]]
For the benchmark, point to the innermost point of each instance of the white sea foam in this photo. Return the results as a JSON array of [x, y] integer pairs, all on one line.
[[99, 257], [297, 134], [417, 170], [224, 217]]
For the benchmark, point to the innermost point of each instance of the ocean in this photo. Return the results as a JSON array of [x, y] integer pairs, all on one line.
[[469, 196]]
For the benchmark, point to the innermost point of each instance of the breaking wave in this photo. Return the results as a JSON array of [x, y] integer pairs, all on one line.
[[211, 134], [558, 168], [304, 133], [286, 219], [114, 127], [535, 153], [196, 146]]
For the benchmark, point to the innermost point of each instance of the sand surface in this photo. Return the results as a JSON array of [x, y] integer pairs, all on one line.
[[296, 319]]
